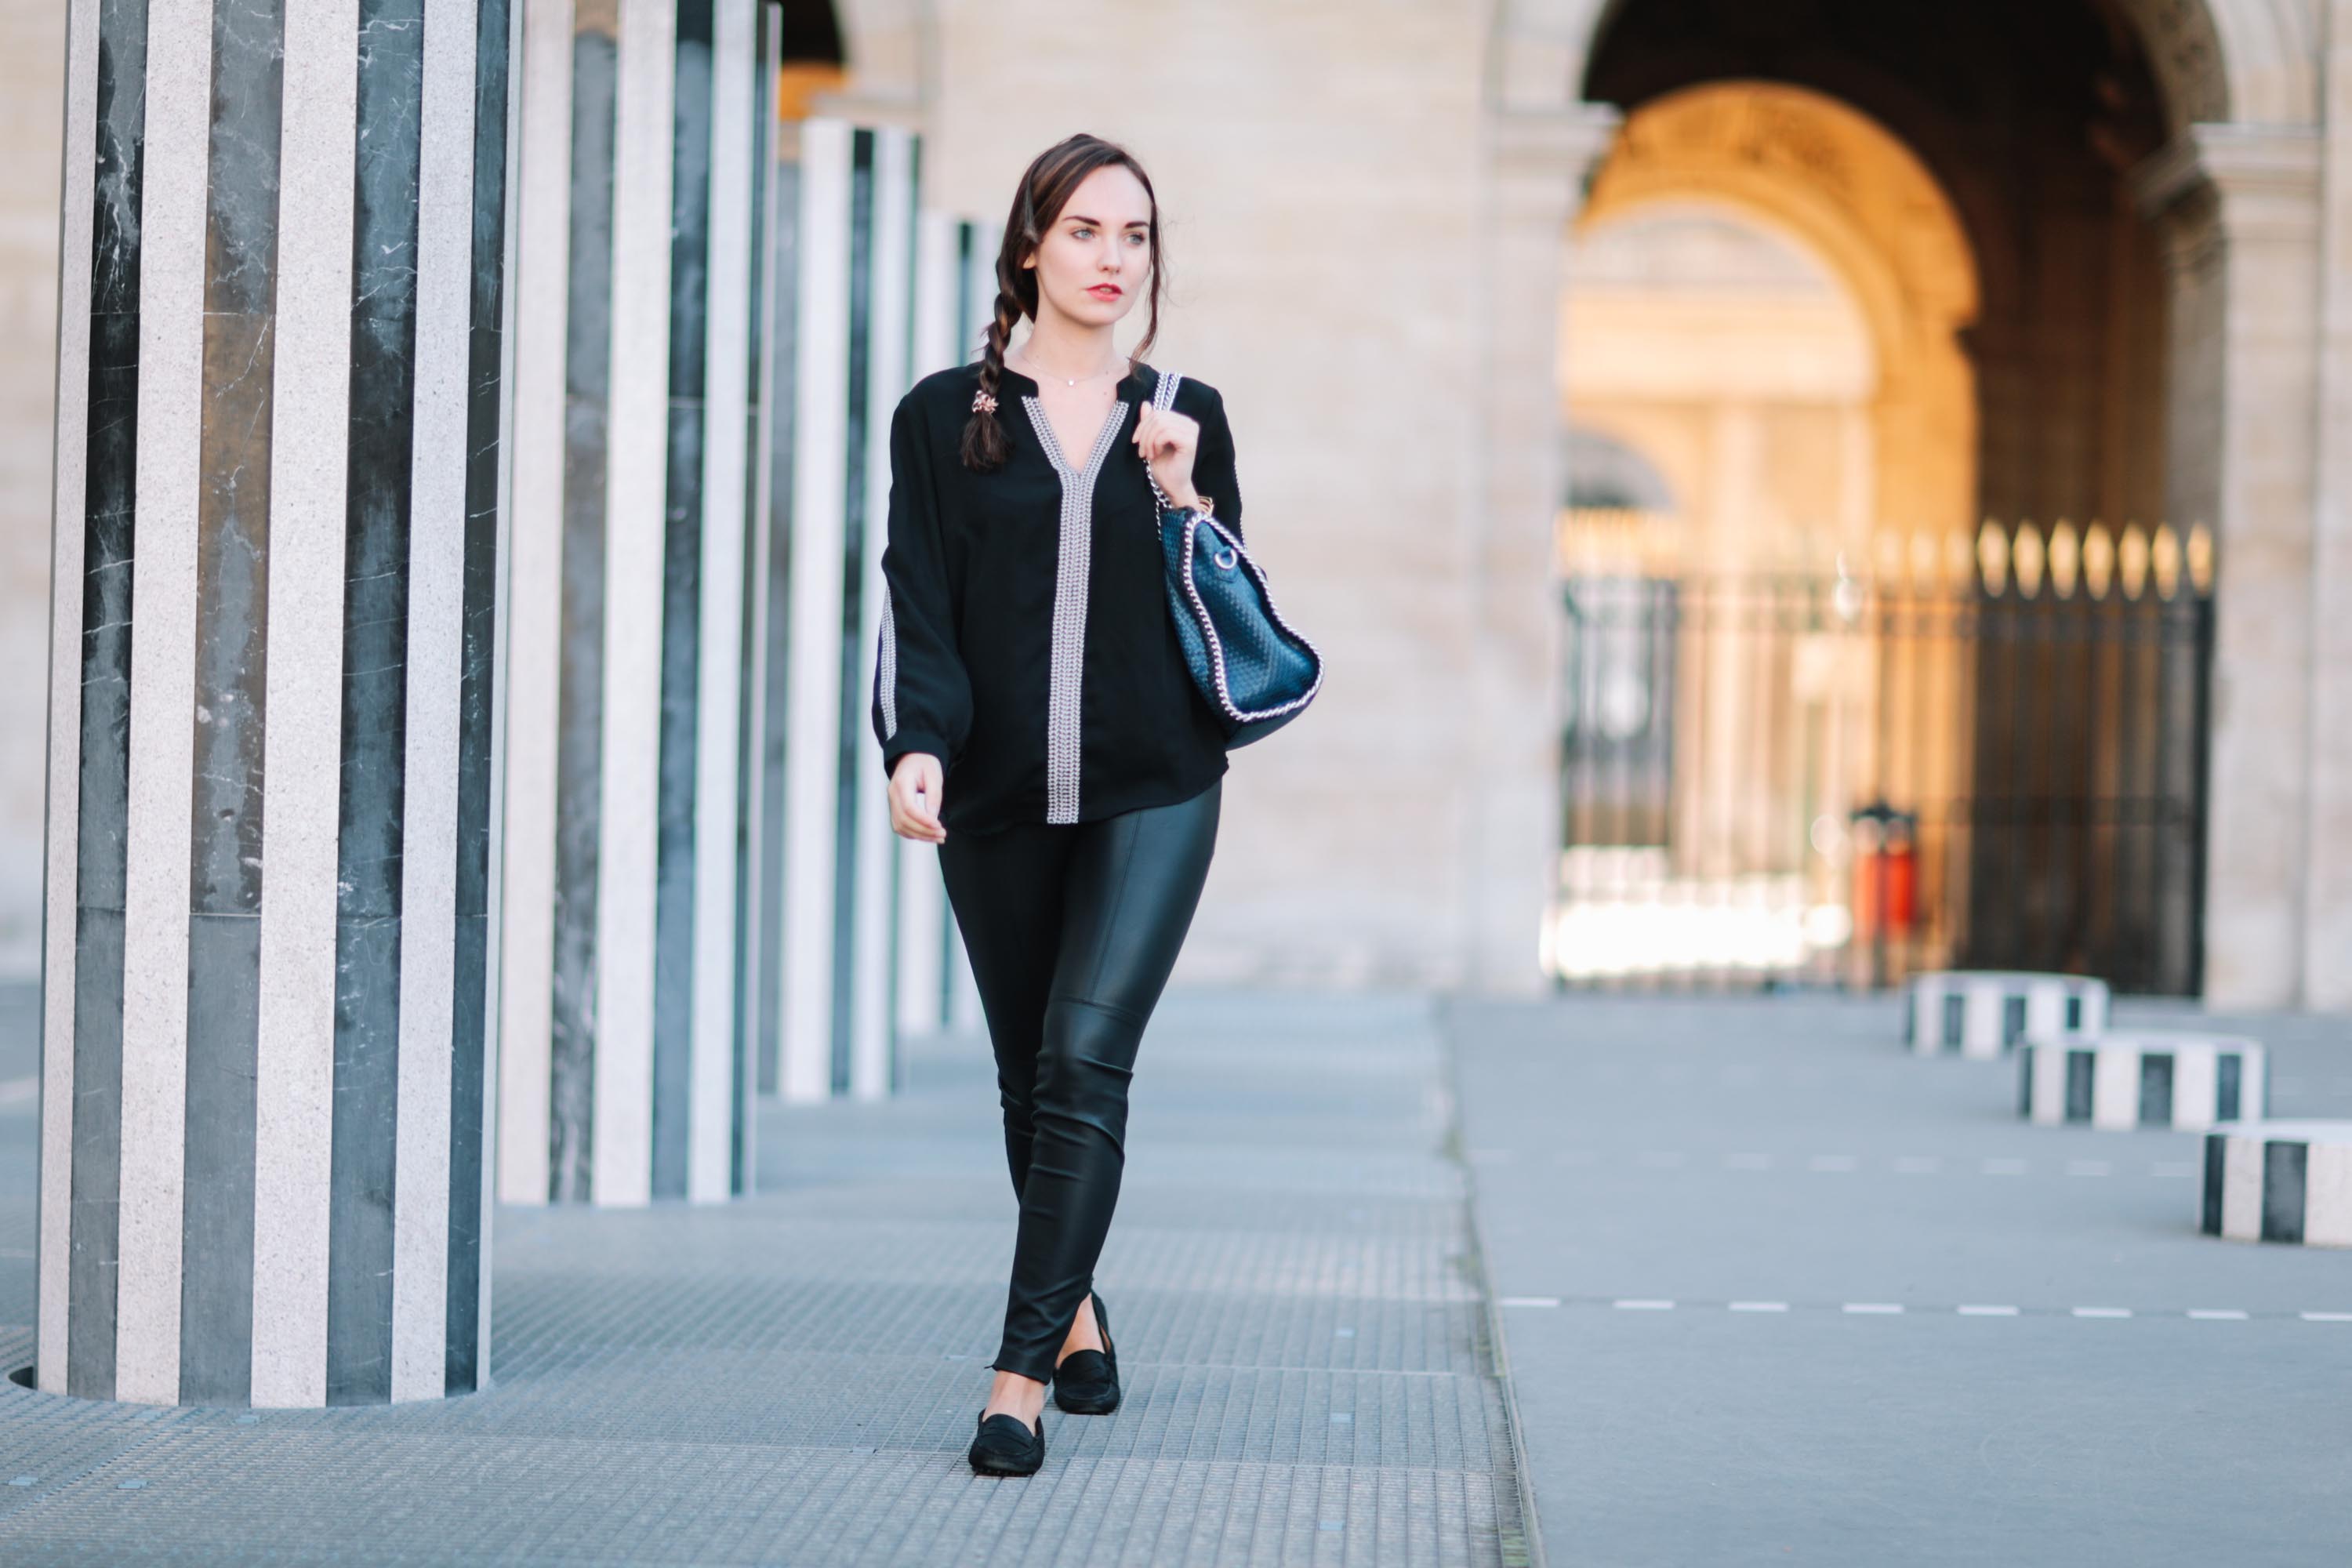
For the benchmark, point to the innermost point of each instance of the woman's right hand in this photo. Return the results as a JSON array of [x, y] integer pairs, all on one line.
[[915, 798]]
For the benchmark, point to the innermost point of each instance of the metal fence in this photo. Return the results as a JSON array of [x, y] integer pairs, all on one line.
[[1936, 751]]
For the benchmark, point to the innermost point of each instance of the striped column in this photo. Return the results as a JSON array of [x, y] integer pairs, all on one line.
[[624, 1078], [2278, 1181], [1984, 1014], [272, 743], [2147, 1077], [955, 292], [854, 246]]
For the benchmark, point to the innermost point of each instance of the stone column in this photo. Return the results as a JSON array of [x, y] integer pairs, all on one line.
[[2328, 908], [626, 1076], [2240, 207], [264, 1045], [1536, 161]]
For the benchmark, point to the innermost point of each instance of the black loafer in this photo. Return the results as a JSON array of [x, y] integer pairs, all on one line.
[[1004, 1447], [1086, 1383]]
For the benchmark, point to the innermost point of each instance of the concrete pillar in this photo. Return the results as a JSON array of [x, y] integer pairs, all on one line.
[[2239, 207], [265, 1041], [626, 1078], [1536, 164]]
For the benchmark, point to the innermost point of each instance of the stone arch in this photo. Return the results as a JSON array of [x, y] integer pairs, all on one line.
[[1847, 190], [2255, 61]]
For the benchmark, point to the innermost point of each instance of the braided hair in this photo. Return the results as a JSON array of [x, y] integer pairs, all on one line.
[[1045, 187]]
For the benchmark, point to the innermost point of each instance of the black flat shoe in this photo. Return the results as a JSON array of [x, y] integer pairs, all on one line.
[[1004, 1447], [1086, 1383]]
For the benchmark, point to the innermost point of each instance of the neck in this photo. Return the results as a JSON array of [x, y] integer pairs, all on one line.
[[1058, 342]]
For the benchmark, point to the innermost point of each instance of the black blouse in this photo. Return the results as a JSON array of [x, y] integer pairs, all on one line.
[[1026, 640]]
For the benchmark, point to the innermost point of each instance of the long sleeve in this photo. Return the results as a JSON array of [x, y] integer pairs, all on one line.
[[1212, 469], [922, 695]]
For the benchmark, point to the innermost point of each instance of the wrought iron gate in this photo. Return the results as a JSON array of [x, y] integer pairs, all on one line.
[[1981, 752]]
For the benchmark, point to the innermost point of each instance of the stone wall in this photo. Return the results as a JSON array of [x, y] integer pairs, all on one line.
[[1317, 171]]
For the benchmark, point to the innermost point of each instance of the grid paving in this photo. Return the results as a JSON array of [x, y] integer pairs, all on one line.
[[792, 1379]]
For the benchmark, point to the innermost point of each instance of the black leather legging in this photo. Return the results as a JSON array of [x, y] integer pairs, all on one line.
[[1073, 929]]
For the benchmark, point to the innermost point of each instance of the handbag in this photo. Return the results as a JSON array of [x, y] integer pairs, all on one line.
[[1254, 667]]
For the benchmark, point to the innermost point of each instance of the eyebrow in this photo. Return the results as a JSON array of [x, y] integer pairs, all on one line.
[[1131, 223]]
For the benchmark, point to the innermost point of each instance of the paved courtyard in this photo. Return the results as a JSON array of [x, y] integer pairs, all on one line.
[[1774, 1291], [793, 1379], [1770, 1289]]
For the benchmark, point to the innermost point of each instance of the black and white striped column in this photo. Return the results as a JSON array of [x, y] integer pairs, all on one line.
[[624, 1077], [855, 241], [2280, 1181], [1983, 1014], [2175, 1079], [955, 293], [278, 494]]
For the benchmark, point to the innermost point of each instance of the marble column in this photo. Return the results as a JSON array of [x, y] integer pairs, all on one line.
[[626, 1076], [955, 289], [853, 345], [264, 1039], [2240, 210]]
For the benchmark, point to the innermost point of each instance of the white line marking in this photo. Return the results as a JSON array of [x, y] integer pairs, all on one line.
[[1759, 1306], [2102, 1311], [1832, 1162], [1527, 1301], [1633, 1306], [17, 1090], [2327, 1317], [2218, 1314], [1885, 1309], [1988, 1311]]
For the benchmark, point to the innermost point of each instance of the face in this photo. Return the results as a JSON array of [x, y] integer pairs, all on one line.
[[1096, 259]]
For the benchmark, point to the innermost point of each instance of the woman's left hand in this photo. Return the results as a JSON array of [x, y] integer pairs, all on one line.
[[1167, 441]]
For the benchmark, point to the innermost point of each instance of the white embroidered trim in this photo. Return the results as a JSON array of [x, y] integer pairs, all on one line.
[[1066, 664], [885, 669]]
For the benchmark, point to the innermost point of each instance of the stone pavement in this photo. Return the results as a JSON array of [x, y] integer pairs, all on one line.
[[794, 1379], [1772, 1291]]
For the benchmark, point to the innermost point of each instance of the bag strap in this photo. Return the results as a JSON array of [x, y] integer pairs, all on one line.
[[1163, 397]]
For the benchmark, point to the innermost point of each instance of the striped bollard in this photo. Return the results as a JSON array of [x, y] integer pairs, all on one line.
[[1983, 1014], [2280, 1181], [265, 1032], [2142, 1078]]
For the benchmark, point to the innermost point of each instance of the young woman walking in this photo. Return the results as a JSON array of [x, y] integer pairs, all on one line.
[[1039, 725]]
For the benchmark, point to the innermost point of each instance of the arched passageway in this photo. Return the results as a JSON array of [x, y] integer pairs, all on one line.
[[2047, 302]]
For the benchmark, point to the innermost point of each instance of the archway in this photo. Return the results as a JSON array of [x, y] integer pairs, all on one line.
[[2078, 374]]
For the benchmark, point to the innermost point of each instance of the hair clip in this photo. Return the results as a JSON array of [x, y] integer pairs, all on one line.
[[983, 402]]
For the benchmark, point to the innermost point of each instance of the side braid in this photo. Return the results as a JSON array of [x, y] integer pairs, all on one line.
[[984, 444]]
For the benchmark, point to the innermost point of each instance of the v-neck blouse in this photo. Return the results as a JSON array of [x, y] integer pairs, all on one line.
[[1026, 636]]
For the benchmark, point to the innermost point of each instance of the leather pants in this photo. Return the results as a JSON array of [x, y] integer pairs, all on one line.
[[1072, 929]]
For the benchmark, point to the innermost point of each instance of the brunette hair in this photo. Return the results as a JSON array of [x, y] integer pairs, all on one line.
[[1045, 188]]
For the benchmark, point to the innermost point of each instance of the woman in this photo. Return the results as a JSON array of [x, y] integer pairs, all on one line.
[[1038, 724]]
